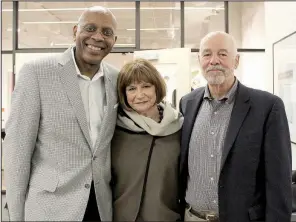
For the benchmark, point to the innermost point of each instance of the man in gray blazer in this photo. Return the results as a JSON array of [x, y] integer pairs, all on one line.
[[63, 115]]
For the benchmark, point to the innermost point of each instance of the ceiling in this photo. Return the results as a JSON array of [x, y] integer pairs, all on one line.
[[50, 24]]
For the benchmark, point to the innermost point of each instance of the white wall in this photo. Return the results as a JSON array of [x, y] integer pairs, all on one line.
[[235, 20], [252, 25], [252, 68], [246, 21], [280, 21]]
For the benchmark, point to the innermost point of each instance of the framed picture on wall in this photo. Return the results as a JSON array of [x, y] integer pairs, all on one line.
[[284, 77]]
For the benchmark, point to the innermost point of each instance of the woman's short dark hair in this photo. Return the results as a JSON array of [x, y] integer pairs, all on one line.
[[136, 71]]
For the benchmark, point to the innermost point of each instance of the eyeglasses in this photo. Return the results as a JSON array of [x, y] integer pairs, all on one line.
[[92, 29]]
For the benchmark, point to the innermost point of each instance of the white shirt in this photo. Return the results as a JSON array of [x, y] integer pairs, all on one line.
[[94, 99]]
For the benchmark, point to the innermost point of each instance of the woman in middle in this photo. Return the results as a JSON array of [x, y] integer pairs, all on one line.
[[145, 148]]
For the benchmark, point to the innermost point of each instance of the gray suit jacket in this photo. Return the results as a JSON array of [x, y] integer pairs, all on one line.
[[48, 160]]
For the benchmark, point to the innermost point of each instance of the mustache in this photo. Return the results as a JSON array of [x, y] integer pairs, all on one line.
[[220, 68]]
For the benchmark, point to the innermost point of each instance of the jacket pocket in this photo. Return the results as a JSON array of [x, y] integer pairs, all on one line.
[[44, 180], [256, 212]]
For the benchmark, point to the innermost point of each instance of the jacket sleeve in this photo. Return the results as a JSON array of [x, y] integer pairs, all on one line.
[[21, 133], [278, 165]]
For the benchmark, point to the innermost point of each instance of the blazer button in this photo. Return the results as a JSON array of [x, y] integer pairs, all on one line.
[[87, 186]]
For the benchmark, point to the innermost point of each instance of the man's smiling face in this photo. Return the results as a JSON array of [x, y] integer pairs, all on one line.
[[94, 37]]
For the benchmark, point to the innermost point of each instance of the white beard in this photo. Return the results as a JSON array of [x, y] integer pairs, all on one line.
[[216, 78]]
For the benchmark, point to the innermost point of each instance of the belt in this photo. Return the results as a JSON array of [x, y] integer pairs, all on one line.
[[205, 215]]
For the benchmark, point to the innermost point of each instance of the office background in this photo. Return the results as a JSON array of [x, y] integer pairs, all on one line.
[[34, 29]]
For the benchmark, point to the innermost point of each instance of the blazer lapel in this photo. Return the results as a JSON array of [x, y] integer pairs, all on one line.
[[111, 100], [69, 79], [191, 111], [239, 112]]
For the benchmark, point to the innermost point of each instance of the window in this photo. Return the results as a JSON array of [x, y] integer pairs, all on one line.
[[160, 25], [246, 24], [200, 19], [6, 14], [50, 24]]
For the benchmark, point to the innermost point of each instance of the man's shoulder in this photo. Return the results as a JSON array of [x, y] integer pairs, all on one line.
[[261, 96], [193, 94], [40, 66], [49, 60]]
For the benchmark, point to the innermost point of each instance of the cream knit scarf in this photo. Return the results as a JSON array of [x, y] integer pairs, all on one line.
[[172, 122]]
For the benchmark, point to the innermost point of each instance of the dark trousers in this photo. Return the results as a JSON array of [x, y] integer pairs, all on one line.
[[92, 212]]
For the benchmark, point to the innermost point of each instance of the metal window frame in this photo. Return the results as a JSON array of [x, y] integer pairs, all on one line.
[[15, 37], [15, 13], [182, 23]]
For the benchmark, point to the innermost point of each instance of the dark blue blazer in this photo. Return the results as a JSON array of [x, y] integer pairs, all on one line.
[[256, 165]]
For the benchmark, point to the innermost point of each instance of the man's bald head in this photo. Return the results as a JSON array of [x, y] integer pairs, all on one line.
[[99, 10], [220, 36]]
